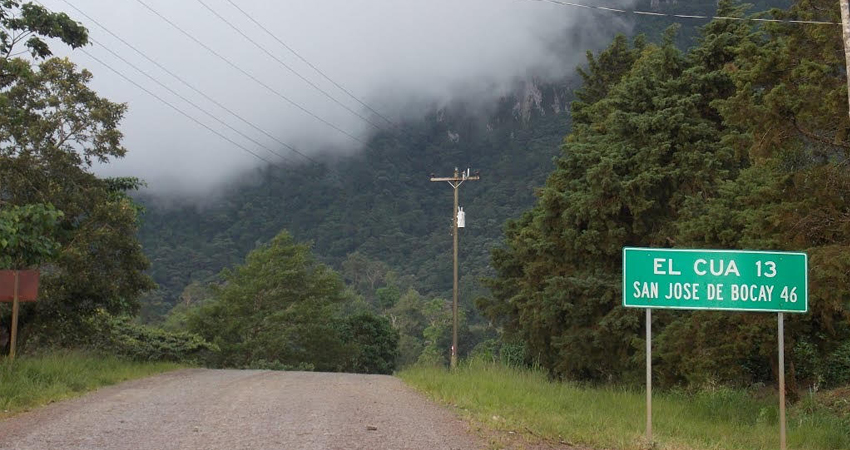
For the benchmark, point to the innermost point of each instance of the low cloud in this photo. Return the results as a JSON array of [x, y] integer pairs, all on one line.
[[395, 55]]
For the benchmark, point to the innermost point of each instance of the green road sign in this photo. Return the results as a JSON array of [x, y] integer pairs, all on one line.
[[715, 279]]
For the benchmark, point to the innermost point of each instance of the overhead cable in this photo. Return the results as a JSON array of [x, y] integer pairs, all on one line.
[[308, 63], [190, 86], [682, 16], [284, 65], [180, 111], [247, 74], [181, 97]]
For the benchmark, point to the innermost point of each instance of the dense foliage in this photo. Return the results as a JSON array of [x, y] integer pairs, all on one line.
[[26, 235], [102, 333], [376, 218], [739, 142], [284, 309], [373, 343], [386, 228], [55, 211], [378, 203]]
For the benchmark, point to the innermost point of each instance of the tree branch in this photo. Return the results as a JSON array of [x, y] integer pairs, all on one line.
[[818, 138]]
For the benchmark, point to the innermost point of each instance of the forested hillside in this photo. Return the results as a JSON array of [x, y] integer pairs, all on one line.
[[377, 218], [379, 202]]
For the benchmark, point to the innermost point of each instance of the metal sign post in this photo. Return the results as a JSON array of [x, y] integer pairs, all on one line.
[[649, 376], [761, 281], [781, 333]]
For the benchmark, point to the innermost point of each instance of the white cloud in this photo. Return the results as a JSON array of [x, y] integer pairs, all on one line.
[[394, 54]]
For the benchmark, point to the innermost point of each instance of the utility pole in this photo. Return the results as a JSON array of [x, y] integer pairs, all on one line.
[[845, 28], [455, 182]]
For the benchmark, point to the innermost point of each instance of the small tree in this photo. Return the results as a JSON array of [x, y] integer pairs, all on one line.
[[283, 309], [26, 240], [278, 307], [53, 129]]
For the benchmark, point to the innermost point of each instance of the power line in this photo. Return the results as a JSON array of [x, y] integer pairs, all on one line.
[[181, 97], [286, 66], [681, 16], [180, 111], [247, 74], [305, 61], [190, 86]]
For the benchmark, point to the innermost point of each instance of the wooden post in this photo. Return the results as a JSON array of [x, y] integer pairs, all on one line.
[[781, 382], [845, 26], [453, 362], [455, 181], [649, 375], [14, 337]]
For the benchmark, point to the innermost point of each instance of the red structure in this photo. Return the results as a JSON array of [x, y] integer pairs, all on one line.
[[27, 285]]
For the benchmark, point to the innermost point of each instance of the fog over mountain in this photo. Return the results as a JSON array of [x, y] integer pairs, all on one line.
[[399, 57]]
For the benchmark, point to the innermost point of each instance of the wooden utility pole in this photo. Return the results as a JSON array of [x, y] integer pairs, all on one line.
[[845, 27], [455, 181], [14, 337]]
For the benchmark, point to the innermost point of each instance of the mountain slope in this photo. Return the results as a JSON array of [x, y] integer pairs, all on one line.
[[379, 202]]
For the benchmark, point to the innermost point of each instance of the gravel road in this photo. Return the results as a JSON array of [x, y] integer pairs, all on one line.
[[232, 409]]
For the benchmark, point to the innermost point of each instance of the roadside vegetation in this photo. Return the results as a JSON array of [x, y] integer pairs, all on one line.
[[280, 310], [740, 141], [38, 380], [730, 144], [523, 400]]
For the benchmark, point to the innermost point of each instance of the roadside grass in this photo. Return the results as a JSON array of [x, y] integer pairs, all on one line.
[[32, 381], [526, 402]]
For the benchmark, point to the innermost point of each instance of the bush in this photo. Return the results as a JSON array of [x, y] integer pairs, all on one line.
[[486, 350], [808, 362], [145, 343], [373, 342], [262, 364], [513, 354], [837, 371], [119, 336], [280, 306], [409, 349]]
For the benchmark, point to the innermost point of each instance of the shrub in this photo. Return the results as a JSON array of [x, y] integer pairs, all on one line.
[[119, 336], [837, 370], [262, 364], [513, 354], [486, 350], [373, 342], [145, 343]]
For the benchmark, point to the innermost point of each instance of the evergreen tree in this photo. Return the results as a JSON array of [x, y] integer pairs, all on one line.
[[723, 146]]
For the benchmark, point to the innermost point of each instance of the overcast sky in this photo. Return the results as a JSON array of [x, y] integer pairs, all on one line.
[[395, 55]]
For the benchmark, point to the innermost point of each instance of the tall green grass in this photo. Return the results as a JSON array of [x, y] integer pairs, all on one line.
[[33, 381], [523, 400]]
